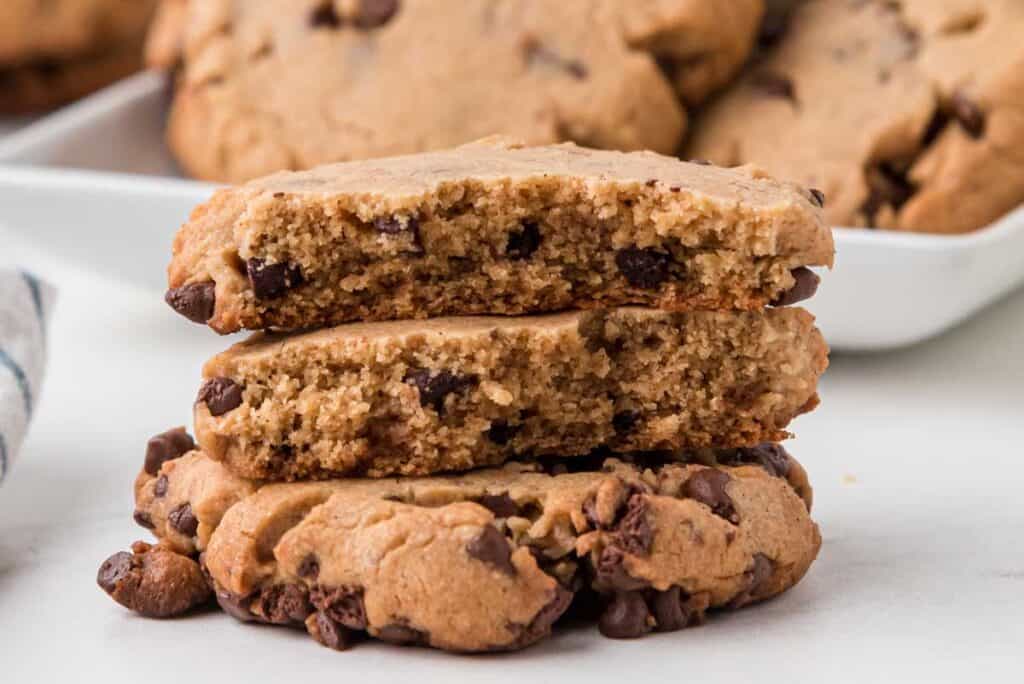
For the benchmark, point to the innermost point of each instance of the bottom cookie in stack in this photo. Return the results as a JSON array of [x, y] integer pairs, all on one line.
[[483, 561]]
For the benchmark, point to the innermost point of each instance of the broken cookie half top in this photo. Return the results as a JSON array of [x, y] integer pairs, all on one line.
[[495, 228]]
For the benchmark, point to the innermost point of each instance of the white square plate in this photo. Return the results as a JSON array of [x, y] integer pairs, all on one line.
[[118, 210]]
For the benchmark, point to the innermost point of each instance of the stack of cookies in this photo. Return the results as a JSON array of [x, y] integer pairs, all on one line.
[[504, 383]]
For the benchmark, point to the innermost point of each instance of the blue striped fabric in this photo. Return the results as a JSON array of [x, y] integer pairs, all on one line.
[[19, 376], [37, 299]]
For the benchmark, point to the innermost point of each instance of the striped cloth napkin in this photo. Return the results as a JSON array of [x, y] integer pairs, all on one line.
[[25, 304]]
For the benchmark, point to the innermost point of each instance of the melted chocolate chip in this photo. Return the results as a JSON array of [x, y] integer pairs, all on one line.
[[645, 269], [524, 242], [329, 632], [501, 505], [818, 197], [324, 16], [708, 487], [804, 288], [270, 281], [160, 488], [167, 446], [142, 519], [612, 574], [772, 457], [674, 609], [434, 387], [309, 568], [283, 604], [342, 604], [968, 114], [402, 635], [887, 186], [626, 617], [196, 301], [756, 579], [774, 85], [540, 626], [633, 533], [220, 395], [491, 547], [113, 570], [183, 520], [375, 13], [501, 433]]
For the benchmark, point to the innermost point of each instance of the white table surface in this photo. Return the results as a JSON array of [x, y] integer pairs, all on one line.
[[916, 458]]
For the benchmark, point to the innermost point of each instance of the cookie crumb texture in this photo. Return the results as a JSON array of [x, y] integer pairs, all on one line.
[[453, 394], [906, 114], [267, 85], [649, 543], [492, 228]]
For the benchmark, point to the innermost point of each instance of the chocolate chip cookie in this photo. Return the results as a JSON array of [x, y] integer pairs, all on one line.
[[419, 397], [494, 227], [268, 85], [54, 52], [644, 543], [906, 114]]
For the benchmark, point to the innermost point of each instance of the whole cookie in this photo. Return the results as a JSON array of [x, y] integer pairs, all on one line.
[[907, 115], [273, 84], [646, 543]]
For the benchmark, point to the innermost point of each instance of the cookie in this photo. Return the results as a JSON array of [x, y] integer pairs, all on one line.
[[268, 85], [54, 52], [490, 559], [154, 581], [906, 115], [413, 398], [494, 228]]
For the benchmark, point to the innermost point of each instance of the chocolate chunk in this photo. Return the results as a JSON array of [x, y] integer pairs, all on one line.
[[142, 519], [270, 281], [394, 225], [634, 534], [818, 197], [774, 85], [501, 433], [183, 520], [434, 387], [675, 609], [342, 604], [645, 269], [324, 16], [283, 604], [501, 505], [756, 580], [524, 242], [887, 186], [375, 13], [804, 288], [153, 582], [772, 457], [491, 547], [625, 421], [968, 114], [611, 572], [196, 301], [167, 446], [627, 617], [329, 632], [309, 568], [220, 395], [540, 626], [708, 487], [160, 488], [402, 635]]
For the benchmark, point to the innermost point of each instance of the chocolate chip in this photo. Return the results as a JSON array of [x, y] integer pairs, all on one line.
[[611, 572], [674, 609], [270, 281], [774, 27], [375, 13], [283, 604], [167, 446], [634, 534], [394, 225], [539, 54], [774, 85], [183, 520], [540, 626], [818, 197], [160, 488], [309, 568], [501, 505], [196, 301], [153, 582], [627, 617], [645, 269], [625, 421], [491, 547], [804, 288], [329, 632], [324, 16], [142, 519], [434, 387], [968, 114], [756, 579], [402, 635], [501, 433], [772, 457], [708, 487], [220, 395], [652, 183], [524, 242], [887, 186], [342, 604]]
